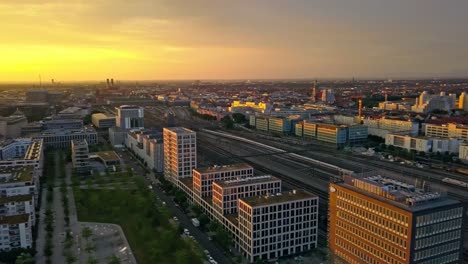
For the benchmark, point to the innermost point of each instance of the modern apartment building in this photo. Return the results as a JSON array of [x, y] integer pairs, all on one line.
[[14, 148], [148, 145], [277, 225], [180, 153], [379, 219], [80, 156], [227, 193], [33, 156], [11, 126], [129, 116], [16, 232], [18, 204], [101, 120]]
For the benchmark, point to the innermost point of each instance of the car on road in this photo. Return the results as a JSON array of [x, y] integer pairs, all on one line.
[[175, 218], [186, 232]]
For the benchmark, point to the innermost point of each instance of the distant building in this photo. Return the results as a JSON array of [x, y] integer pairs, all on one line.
[[129, 116], [149, 146], [382, 126], [117, 136], [101, 120], [328, 96], [62, 123], [392, 106], [427, 103], [409, 143], [37, 96], [378, 219], [450, 130], [242, 106], [61, 138], [14, 148], [463, 152], [73, 112], [80, 156], [180, 153], [110, 159], [11, 126], [463, 101], [337, 134]]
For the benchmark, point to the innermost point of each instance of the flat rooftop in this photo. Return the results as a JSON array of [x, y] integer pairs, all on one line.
[[217, 168], [188, 182], [396, 191], [107, 155], [129, 107], [247, 181], [79, 142], [62, 131], [14, 219], [16, 198], [282, 197], [179, 129], [16, 174], [103, 116]]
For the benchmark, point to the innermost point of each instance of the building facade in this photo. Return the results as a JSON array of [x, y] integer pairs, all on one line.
[[129, 116], [80, 156], [101, 120], [180, 153], [61, 138], [377, 219], [450, 130]]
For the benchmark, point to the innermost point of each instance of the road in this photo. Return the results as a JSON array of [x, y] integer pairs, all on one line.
[[184, 220]]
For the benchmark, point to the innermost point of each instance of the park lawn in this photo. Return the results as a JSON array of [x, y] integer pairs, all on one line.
[[150, 235]]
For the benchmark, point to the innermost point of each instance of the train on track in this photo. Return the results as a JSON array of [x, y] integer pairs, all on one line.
[[455, 182]]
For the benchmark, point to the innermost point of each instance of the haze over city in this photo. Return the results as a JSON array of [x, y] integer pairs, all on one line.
[[149, 40]]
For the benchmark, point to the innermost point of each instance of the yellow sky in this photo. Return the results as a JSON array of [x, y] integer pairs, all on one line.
[[204, 39]]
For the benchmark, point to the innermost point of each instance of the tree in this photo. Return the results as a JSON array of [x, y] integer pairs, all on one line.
[[87, 232], [227, 122], [24, 258], [113, 260], [239, 118]]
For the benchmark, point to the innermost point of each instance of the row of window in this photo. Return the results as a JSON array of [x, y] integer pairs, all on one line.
[[450, 258], [438, 239], [434, 251], [373, 207], [366, 255], [439, 216], [438, 228]]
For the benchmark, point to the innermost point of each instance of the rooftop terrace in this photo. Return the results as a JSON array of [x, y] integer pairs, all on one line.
[[248, 180], [16, 174], [283, 197], [217, 168]]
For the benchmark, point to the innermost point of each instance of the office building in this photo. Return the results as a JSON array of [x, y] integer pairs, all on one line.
[[109, 159], [101, 120], [14, 148], [73, 112], [450, 130], [129, 116], [16, 232], [463, 152], [203, 178], [382, 126], [379, 219], [227, 192], [337, 134], [279, 125], [62, 123], [80, 156], [17, 205], [248, 106], [61, 138], [328, 96], [276, 225], [180, 153]]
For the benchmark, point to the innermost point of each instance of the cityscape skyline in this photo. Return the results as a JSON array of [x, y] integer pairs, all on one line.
[[209, 40]]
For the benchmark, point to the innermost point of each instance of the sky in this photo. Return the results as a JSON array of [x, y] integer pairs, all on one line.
[[243, 39]]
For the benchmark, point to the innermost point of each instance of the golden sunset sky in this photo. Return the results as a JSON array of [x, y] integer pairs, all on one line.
[[201, 39]]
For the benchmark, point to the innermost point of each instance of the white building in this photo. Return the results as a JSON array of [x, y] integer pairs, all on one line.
[[226, 193], [148, 145], [443, 145], [18, 204], [277, 225], [423, 144], [382, 126], [180, 153], [129, 116], [14, 148], [61, 138], [80, 156], [328, 96], [34, 157], [427, 103], [450, 130], [16, 232]]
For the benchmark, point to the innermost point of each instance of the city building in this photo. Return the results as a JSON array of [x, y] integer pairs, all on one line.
[[19, 180], [129, 116], [379, 219], [276, 225], [117, 136], [393, 106], [16, 232], [17, 205], [149, 146], [101, 120], [37, 96], [463, 152], [328, 96], [73, 112], [225, 193], [110, 159], [424, 144], [180, 153], [382, 126], [247, 106], [33, 157], [338, 134], [203, 178], [80, 156], [463, 101], [62, 123], [279, 125], [14, 148], [61, 138], [11, 126], [427, 103], [450, 130]]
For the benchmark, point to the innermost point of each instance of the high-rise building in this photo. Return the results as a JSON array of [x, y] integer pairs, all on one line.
[[463, 101], [80, 156], [378, 219], [180, 153], [427, 103], [314, 92], [129, 116]]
